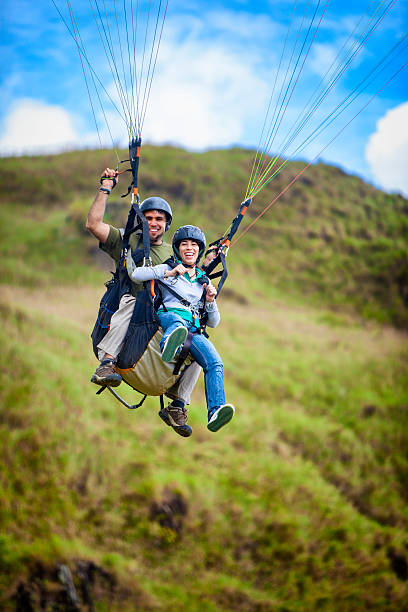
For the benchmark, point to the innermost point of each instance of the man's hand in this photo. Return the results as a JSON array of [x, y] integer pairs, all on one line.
[[109, 178], [95, 223], [210, 293]]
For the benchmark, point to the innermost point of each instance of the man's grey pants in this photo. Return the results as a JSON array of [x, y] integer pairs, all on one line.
[[112, 344]]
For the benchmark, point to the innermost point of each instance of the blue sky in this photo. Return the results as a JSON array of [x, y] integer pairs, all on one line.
[[215, 74]]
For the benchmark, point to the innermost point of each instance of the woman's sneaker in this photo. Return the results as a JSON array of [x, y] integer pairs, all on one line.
[[173, 342], [105, 374], [220, 416]]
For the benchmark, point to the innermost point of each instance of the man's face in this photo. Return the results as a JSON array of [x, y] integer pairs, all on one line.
[[156, 220]]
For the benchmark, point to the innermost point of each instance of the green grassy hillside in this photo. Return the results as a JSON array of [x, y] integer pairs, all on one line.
[[330, 238], [301, 502]]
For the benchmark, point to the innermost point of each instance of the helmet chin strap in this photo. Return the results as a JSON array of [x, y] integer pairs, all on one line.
[[187, 265]]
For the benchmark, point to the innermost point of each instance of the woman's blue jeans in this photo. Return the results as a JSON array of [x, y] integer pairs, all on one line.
[[203, 351]]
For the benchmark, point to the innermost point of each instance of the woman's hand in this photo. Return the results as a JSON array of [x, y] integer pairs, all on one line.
[[210, 293], [211, 254], [179, 270]]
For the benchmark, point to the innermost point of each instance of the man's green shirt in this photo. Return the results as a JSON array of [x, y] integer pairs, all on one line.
[[113, 247]]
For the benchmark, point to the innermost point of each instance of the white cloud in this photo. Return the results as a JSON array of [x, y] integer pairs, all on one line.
[[204, 95], [387, 150], [322, 59], [34, 127], [243, 28], [211, 88]]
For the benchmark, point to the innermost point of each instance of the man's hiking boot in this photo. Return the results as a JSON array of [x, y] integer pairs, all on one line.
[[173, 342], [176, 418], [106, 375], [220, 416]]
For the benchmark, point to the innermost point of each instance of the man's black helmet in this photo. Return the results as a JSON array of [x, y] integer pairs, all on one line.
[[157, 203], [189, 232]]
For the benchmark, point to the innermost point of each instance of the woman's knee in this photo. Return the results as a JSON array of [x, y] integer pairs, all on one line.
[[214, 364]]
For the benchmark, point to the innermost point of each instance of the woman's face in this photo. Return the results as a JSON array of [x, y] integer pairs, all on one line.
[[188, 250]]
